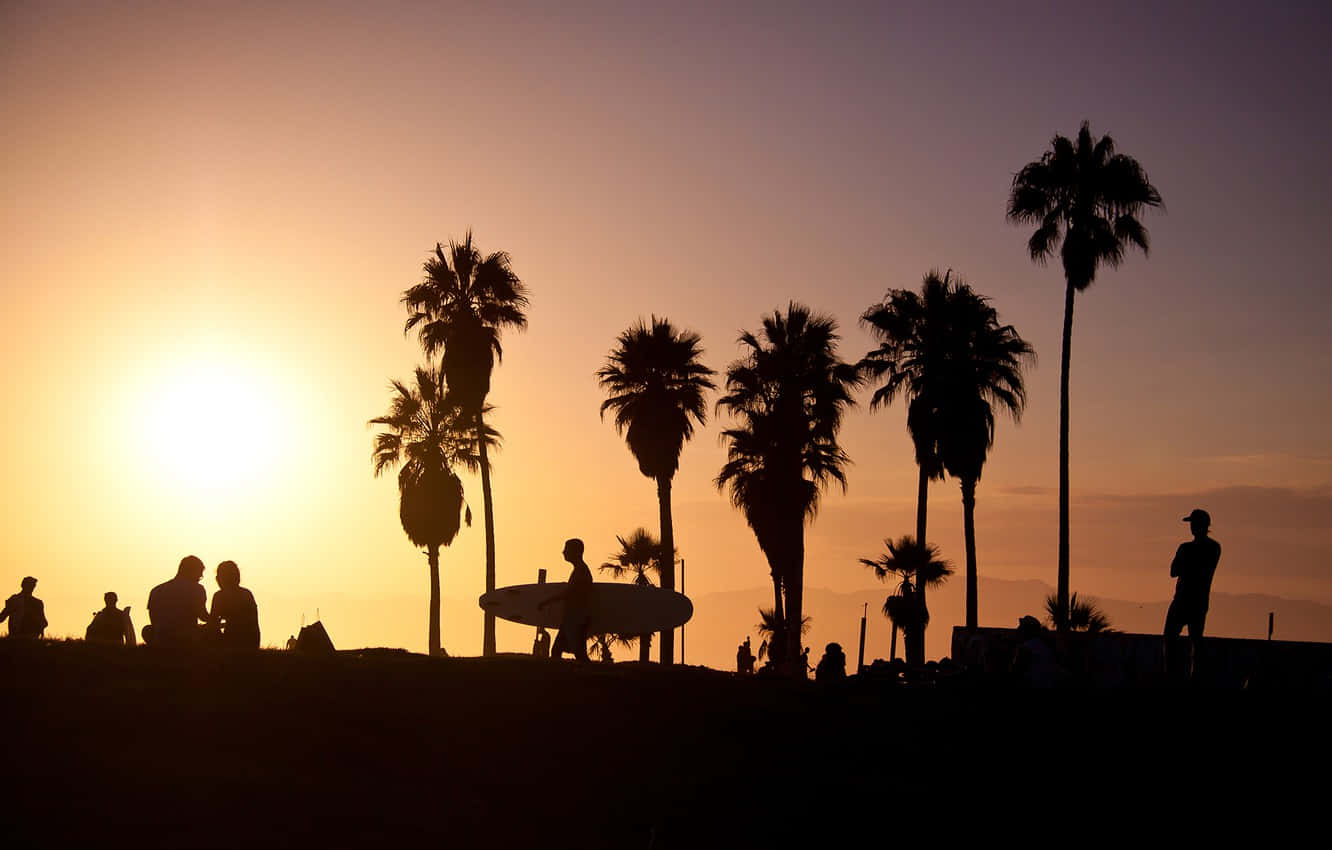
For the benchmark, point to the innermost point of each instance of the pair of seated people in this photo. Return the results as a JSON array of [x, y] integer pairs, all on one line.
[[178, 616]]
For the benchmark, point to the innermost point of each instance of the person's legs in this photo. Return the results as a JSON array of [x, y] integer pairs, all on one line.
[[1174, 624], [1196, 623]]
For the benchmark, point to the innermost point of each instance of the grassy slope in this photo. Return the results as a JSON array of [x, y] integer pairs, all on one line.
[[382, 747]]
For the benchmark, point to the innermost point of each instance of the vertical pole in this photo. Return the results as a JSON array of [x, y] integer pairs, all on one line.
[[892, 644], [541, 576], [860, 661], [1271, 619], [682, 586]]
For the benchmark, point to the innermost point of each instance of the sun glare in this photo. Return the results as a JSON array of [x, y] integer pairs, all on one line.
[[213, 426]]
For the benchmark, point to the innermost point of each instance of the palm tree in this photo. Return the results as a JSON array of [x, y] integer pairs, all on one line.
[[459, 310], [913, 330], [1084, 195], [639, 554], [425, 438], [770, 624], [916, 565], [656, 384], [788, 393], [981, 369], [1082, 616]]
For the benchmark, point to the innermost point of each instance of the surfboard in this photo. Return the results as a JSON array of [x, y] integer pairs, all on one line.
[[622, 609]]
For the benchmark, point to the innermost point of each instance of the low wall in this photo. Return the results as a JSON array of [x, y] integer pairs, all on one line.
[[1121, 659]]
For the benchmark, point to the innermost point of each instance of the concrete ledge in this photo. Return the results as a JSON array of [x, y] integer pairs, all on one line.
[[1122, 659]]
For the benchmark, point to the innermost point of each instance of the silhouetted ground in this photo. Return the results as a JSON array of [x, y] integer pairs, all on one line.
[[111, 747]]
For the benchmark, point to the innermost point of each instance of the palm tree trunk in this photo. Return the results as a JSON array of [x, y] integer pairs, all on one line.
[[1061, 592], [432, 641], [645, 648], [922, 503], [969, 531], [488, 632], [777, 642], [795, 599], [667, 560]]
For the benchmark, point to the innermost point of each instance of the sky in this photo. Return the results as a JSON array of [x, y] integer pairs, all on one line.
[[212, 209]]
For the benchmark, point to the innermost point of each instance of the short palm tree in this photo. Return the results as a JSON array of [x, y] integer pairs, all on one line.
[[770, 624], [459, 310], [915, 565], [638, 555], [656, 383], [1083, 195], [424, 437], [1082, 616], [981, 370], [788, 395]]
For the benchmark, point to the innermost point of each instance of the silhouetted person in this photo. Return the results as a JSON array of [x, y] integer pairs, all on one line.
[[744, 658], [577, 596], [541, 645], [234, 614], [176, 607], [804, 660], [110, 625], [1193, 567], [832, 665], [1034, 661], [25, 612]]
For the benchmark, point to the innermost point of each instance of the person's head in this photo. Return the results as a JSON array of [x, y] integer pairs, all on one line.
[[110, 598], [833, 649], [28, 584], [191, 567], [573, 550], [1199, 521], [228, 574]]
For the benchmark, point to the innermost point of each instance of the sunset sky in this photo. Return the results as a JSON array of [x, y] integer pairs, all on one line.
[[211, 211]]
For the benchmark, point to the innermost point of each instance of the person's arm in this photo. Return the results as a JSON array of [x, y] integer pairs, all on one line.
[[202, 613], [4, 615], [41, 615], [1177, 565]]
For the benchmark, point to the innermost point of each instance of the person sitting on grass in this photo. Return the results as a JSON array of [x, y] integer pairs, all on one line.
[[832, 665], [577, 596], [110, 625], [235, 616], [176, 607]]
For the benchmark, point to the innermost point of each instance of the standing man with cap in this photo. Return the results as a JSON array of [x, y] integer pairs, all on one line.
[[1193, 567]]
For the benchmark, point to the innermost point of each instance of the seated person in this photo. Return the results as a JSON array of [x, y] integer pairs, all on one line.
[[832, 665], [110, 625], [235, 616], [176, 607]]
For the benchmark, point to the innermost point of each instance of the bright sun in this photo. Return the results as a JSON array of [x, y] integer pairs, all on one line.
[[213, 426]]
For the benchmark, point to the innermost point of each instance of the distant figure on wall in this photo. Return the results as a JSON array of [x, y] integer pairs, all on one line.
[[176, 607], [26, 613], [541, 644], [1193, 567], [111, 625], [744, 658], [577, 596], [235, 615]]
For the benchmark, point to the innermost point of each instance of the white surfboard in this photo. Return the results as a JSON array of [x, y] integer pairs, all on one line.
[[622, 609]]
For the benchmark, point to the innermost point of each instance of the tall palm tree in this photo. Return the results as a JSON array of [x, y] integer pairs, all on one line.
[[915, 565], [425, 438], [788, 393], [981, 369], [1084, 195], [460, 309], [656, 383], [913, 333], [638, 555]]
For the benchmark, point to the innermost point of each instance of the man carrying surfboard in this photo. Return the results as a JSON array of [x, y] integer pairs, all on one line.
[[577, 596]]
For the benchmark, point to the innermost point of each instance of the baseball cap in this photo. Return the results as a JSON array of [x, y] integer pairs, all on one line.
[[1200, 515]]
